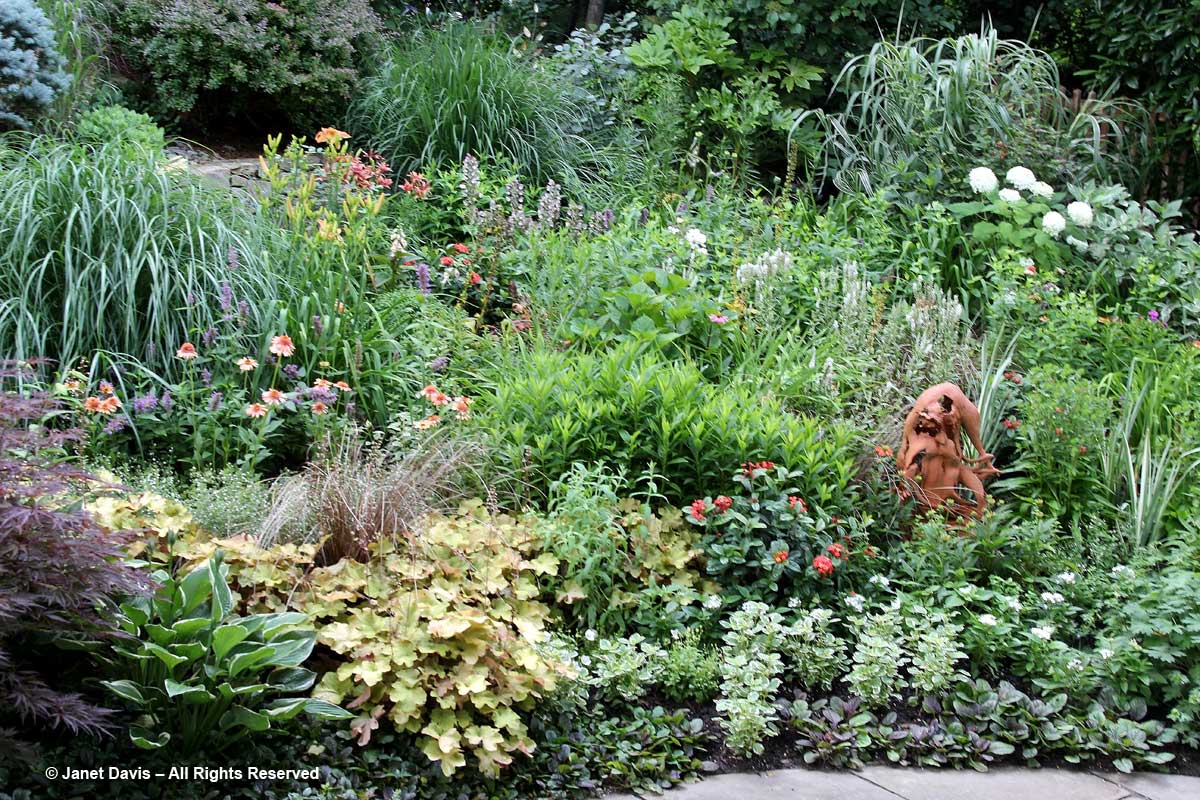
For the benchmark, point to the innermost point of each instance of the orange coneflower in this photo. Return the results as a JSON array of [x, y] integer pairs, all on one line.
[[282, 345], [109, 404], [256, 410], [343, 386], [319, 407], [94, 404], [247, 364], [463, 406], [428, 392], [106, 387], [273, 397], [427, 423], [186, 351], [71, 385], [326, 135], [322, 383]]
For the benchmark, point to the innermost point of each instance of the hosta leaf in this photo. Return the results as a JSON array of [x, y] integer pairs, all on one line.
[[242, 717], [146, 740], [126, 689], [193, 694], [225, 637]]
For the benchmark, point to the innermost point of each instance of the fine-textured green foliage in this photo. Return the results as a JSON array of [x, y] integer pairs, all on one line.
[[205, 59], [102, 250], [637, 411], [446, 93], [31, 68], [119, 124]]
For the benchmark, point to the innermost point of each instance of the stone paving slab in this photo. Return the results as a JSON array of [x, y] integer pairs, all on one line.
[[891, 783], [1154, 786], [784, 784], [996, 784]]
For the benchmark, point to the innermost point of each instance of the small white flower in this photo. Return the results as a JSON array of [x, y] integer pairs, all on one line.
[[712, 601], [672, 229], [1021, 177], [696, 238], [1041, 189], [794, 602], [1105, 653], [1044, 632], [590, 635], [855, 601], [1053, 223], [982, 180], [880, 580], [1052, 598], [1067, 578], [1080, 213], [1015, 604], [988, 619], [1074, 665], [1010, 195]]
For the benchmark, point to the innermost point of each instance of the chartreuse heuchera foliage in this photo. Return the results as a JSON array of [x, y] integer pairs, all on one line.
[[525, 423]]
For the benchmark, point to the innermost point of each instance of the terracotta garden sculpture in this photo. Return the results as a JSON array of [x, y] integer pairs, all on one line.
[[931, 461]]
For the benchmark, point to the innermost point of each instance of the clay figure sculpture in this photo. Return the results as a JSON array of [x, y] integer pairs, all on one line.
[[931, 460]]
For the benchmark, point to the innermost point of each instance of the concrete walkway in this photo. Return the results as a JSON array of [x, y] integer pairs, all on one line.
[[889, 783]]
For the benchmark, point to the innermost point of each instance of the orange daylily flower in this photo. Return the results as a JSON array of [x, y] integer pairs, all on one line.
[[326, 135]]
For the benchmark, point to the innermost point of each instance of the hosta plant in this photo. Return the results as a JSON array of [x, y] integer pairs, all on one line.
[[200, 676]]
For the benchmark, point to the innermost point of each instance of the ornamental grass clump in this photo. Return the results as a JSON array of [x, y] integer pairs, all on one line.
[[461, 90], [106, 250]]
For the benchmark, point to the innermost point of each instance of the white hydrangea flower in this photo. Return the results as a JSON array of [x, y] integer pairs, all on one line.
[[712, 601], [1053, 223], [855, 601], [1041, 189], [1052, 598], [1044, 632], [696, 238], [982, 180], [1015, 604], [988, 619], [1080, 213], [794, 602], [1010, 195], [1021, 177], [1066, 578]]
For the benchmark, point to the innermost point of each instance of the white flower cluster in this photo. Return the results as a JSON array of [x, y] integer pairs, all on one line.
[[983, 181], [1065, 578], [765, 267], [1052, 598], [1044, 632], [988, 619]]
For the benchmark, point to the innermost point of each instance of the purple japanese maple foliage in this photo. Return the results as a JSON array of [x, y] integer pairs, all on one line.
[[59, 570]]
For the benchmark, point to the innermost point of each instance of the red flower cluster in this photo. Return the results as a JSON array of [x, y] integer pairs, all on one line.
[[416, 185], [723, 503], [797, 503], [781, 556], [1014, 377], [1012, 424], [836, 550], [823, 566], [698, 507], [461, 248], [750, 466]]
